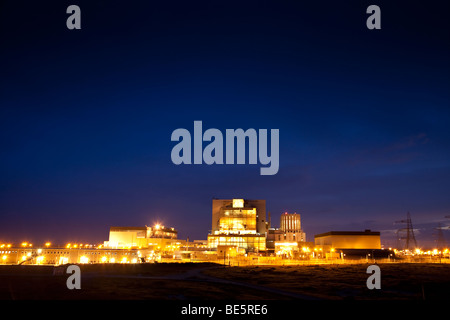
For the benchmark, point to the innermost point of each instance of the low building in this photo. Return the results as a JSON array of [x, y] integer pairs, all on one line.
[[349, 239], [121, 237], [350, 244], [142, 237], [74, 254]]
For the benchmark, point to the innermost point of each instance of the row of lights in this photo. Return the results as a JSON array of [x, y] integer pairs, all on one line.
[[74, 245], [419, 251], [23, 244], [48, 244], [81, 246], [430, 252], [85, 259]]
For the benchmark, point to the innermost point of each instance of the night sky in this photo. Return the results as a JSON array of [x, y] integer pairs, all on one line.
[[86, 115]]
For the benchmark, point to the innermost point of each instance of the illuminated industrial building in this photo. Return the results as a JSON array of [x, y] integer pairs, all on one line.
[[75, 254], [141, 237], [122, 237], [350, 243], [239, 231], [290, 224], [238, 223], [349, 239], [285, 240]]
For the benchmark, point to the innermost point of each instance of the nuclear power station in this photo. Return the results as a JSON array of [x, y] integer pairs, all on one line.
[[241, 231]]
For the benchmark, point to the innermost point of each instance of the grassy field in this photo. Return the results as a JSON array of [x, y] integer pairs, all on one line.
[[199, 281], [398, 281], [117, 281]]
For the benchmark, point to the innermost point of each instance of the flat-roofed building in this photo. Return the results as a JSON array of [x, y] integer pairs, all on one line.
[[120, 237], [141, 237], [74, 254], [349, 239]]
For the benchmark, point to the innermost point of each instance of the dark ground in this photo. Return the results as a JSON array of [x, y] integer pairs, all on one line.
[[202, 281]]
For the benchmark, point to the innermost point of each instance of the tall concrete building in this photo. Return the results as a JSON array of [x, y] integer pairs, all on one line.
[[286, 238], [290, 224], [238, 223]]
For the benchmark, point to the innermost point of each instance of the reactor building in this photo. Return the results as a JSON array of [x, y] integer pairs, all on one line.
[[238, 223]]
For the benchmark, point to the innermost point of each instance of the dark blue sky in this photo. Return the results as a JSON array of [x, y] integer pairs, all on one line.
[[86, 115]]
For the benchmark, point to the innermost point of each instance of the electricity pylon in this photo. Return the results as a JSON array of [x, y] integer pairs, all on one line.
[[407, 234], [440, 241]]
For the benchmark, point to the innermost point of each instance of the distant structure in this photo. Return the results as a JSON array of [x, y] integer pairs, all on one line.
[[290, 224], [406, 234], [240, 235], [440, 241]]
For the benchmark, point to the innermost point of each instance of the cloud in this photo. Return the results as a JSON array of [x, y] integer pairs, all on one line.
[[410, 142], [398, 152]]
